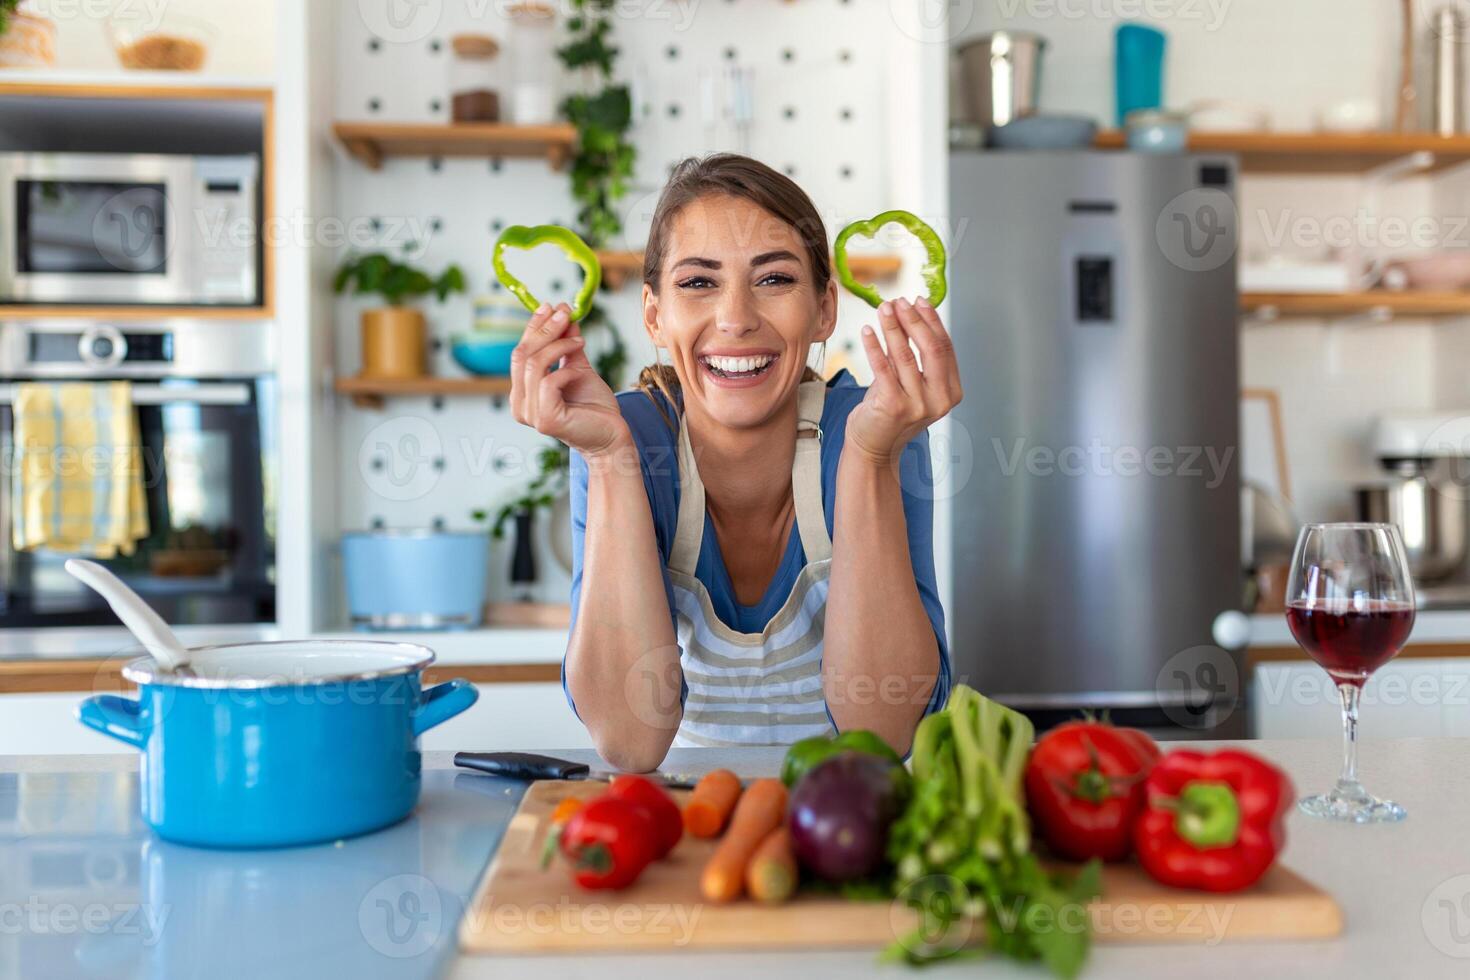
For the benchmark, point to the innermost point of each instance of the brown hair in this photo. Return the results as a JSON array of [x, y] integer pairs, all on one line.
[[737, 176]]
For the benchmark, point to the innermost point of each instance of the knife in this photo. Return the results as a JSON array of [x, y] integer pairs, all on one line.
[[529, 766]]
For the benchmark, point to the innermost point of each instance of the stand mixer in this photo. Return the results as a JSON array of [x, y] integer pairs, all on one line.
[[1425, 490]]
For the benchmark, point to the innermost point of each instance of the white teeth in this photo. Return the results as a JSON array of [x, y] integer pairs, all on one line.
[[739, 365]]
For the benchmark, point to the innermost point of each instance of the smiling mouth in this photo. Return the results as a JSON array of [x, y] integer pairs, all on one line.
[[739, 368]]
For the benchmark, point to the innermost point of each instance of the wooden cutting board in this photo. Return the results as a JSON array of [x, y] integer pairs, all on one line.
[[520, 908]]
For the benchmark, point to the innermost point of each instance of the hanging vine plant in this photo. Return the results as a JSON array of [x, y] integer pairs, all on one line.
[[601, 171]]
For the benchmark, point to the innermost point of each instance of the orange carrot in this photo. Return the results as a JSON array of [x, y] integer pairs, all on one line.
[[559, 818], [771, 875], [566, 808], [711, 803], [762, 808]]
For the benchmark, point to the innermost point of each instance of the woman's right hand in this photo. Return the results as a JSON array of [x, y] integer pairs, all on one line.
[[572, 403]]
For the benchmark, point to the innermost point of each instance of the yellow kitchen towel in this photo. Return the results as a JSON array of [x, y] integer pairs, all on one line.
[[77, 477]]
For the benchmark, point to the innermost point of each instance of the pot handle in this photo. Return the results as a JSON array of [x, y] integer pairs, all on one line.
[[121, 718], [442, 702]]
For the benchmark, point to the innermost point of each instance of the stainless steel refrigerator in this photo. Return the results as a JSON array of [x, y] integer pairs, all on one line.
[[1096, 534]]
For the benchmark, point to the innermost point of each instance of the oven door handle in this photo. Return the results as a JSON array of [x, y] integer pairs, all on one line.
[[228, 393]]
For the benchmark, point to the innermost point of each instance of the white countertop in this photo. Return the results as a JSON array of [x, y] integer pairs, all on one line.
[[498, 645], [1404, 889]]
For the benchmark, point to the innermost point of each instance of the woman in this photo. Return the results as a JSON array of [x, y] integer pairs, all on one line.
[[752, 545]]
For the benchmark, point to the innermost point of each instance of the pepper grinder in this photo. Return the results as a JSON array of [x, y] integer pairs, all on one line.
[[523, 560]]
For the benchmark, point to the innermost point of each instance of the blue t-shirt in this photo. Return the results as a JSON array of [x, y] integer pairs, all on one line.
[[658, 453]]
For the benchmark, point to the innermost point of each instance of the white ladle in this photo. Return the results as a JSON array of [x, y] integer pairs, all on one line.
[[137, 615]]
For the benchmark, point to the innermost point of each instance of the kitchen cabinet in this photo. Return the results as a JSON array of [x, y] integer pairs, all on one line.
[[1412, 697]]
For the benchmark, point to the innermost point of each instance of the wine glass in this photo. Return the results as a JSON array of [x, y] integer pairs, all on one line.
[[1350, 605]]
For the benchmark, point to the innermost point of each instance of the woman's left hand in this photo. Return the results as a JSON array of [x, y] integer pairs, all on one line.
[[908, 393]]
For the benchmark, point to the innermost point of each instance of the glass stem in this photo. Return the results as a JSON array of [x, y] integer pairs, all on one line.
[[1347, 783]]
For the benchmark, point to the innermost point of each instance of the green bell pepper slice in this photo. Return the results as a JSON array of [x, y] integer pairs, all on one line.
[[524, 237], [804, 755], [932, 270]]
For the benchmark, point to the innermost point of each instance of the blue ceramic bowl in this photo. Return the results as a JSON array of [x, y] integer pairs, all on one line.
[[484, 352], [276, 744]]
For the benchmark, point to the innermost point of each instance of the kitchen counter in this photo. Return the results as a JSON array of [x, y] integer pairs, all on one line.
[[85, 890], [489, 645]]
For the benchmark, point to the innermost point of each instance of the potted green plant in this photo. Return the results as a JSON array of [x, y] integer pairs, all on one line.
[[393, 335], [27, 39]]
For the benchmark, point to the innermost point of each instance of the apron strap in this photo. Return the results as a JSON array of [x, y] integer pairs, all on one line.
[[806, 487], [806, 472], [689, 532]]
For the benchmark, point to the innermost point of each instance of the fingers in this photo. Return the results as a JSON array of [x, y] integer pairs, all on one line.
[[551, 402], [900, 354], [883, 372], [936, 350], [546, 325], [578, 356], [535, 370]]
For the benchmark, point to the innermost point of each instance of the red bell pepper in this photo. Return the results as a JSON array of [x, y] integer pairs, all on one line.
[[1214, 821], [608, 842], [1085, 788], [668, 820]]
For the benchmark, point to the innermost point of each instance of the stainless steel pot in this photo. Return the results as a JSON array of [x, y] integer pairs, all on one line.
[[1000, 76], [1430, 515]]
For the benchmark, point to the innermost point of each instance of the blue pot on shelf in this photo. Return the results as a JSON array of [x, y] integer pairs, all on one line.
[[278, 744], [415, 579]]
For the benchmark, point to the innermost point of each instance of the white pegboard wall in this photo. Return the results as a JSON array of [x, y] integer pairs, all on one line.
[[818, 114]]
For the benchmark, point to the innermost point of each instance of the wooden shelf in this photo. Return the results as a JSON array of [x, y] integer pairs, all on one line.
[[1408, 303], [131, 85], [373, 142], [618, 268], [1264, 152], [372, 392]]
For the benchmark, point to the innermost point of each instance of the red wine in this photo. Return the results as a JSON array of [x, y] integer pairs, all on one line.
[[1350, 640]]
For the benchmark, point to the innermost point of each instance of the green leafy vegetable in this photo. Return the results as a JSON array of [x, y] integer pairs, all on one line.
[[962, 849]]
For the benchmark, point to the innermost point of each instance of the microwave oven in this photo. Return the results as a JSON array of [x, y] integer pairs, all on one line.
[[129, 229]]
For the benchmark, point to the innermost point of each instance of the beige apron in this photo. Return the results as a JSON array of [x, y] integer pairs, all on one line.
[[755, 688]]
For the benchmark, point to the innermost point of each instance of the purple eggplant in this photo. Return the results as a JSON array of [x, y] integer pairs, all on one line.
[[840, 813]]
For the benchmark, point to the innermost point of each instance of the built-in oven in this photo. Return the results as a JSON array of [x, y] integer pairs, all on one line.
[[204, 393], [129, 228]]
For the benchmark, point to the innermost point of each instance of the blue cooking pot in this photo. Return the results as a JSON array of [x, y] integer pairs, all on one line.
[[275, 744]]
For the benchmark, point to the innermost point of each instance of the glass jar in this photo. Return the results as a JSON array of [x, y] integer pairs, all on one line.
[[535, 67], [474, 94]]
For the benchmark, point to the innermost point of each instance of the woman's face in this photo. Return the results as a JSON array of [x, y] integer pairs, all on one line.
[[737, 309]]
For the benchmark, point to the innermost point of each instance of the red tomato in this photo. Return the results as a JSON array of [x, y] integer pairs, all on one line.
[[668, 821], [608, 842], [1085, 788]]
